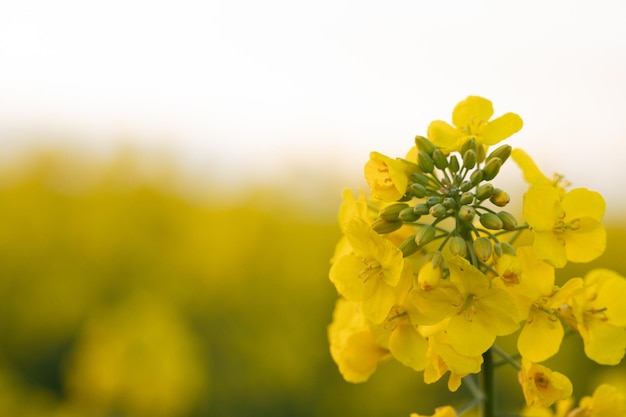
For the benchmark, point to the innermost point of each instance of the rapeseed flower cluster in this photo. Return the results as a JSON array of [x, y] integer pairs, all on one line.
[[429, 273]]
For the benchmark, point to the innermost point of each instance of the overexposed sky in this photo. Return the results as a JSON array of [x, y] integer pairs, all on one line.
[[255, 89]]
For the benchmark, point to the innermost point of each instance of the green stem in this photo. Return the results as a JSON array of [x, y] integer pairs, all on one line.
[[489, 405]]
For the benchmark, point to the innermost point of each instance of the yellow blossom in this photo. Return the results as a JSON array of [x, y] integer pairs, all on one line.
[[445, 411], [352, 344], [386, 177], [565, 229], [606, 401], [541, 386], [471, 119]]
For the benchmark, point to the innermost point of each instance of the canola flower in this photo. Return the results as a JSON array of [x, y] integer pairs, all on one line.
[[429, 272]]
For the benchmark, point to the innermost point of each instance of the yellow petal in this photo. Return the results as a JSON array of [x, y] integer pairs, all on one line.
[[580, 202], [541, 337], [409, 347], [531, 172], [500, 129], [587, 242], [604, 343], [542, 208], [472, 110], [445, 136], [345, 275], [550, 248]]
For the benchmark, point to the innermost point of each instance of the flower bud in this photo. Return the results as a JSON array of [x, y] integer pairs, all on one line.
[[438, 210], [469, 159], [425, 162], [491, 169], [408, 215], [481, 151], [497, 250], [500, 198], [484, 191], [425, 145], [467, 198], [503, 152], [465, 186], [476, 177], [458, 246], [382, 226], [491, 221], [482, 248], [509, 222], [440, 159], [390, 212], [418, 190], [449, 203], [432, 200], [421, 209], [425, 235], [467, 213], [469, 144], [454, 164], [507, 249], [419, 178], [409, 246], [429, 274]]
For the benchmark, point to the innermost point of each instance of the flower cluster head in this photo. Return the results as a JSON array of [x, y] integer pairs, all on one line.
[[429, 271]]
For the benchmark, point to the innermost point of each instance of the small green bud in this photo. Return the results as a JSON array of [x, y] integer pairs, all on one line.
[[421, 209], [436, 259], [419, 178], [438, 210], [484, 191], [465, 186], [382, 226], [440, 159], [491, 221], [469, 144], [408, 215], [454, 164], [458, 246], [425, 235], [390, 212], [491, 169], [509, 222], [481, 150], [467, 198], [432, 200], [497, 250], [449, 203], [503, 152], [409, 246], [425, 145], [467, 213], [500, 197], [482, 248], [469, 159], [418, 190], [476, 177], [507, 248], [425, 162]]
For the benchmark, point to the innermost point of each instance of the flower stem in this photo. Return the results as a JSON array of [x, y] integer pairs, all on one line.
[[489, 409]]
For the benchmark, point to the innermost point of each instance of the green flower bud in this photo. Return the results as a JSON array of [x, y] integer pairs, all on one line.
[[409, 246], [467, 198], [382, 226], [509, 222], [497, 250], [469, 144], [425, 235], [469, 159], [449, 203], [465, 186], [467, 213], [482, 248], [419, 178], [503, 152], [491, 221], [432, 200], [425, 162], [507, 248], [436, 259], [418, 190], [476, 177], [440, 159], [481, 150], [421, 209], [491, 169], [438, 210], [425, 145], [390, 212], [484, 191], [500, 198], [454, 164], [408, 215], [458, 246]]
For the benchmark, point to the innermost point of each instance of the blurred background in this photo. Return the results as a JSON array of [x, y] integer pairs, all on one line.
[[170, 174]]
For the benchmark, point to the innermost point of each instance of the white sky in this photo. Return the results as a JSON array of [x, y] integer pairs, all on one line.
[[256, 89]]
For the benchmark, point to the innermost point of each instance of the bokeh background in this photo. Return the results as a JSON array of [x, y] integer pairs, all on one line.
[[170, 174]]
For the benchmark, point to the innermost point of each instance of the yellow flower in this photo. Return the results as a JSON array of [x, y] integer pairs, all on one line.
[[541, 386], [370, 273], [600, 314], [386, 177], [471, 120], [567, 228], [445, 411], [352, 344], [403, 339], [607, 401], [533, 175]]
